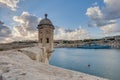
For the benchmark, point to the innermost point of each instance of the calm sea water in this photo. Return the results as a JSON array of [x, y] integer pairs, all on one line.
[[103, 62]]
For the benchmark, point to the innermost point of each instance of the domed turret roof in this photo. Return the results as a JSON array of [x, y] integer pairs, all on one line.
[[45, 21]]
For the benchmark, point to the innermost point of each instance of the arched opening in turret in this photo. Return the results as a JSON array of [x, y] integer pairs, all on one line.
[[40, 40], [47, 40]]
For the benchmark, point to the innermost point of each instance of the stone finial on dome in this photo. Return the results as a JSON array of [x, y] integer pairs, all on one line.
[[45, 21], [46, 15]]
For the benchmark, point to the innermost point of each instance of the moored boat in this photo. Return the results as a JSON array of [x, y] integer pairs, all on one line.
[[94, 46]]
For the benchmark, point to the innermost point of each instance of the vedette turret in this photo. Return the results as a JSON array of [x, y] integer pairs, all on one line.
[[45, 34]]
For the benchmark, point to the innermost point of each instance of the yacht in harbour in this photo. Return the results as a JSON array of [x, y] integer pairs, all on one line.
[[94, 46]]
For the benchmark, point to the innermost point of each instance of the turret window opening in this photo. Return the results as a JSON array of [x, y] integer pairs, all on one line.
[[47, 39], [41, 40]]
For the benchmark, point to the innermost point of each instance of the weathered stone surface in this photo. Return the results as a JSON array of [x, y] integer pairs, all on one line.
[[16, 65], [36, 53], [45, 34]]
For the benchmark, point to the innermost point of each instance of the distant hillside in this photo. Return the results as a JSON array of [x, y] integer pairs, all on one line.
[[113, 41], [17, 44]]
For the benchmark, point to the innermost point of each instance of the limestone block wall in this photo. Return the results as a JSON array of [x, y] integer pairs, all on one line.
[[36, 53], [44, 33]]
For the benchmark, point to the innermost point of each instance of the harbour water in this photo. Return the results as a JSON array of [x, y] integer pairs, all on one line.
[[99, 62]]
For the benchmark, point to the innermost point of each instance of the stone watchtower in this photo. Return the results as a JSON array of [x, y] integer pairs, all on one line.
[[45, 34]]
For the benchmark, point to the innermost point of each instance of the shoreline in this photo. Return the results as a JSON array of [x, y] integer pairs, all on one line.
[[20, 66]]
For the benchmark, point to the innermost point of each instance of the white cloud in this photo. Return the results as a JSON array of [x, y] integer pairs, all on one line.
[[27, 28], [4, 30], [97, 17], [5, 33], [110, 28], [10, 3], [112, 9], [105, 18], [64, 34], [94, 13]]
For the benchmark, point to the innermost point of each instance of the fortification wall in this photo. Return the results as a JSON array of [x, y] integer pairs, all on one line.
[[29, 64]]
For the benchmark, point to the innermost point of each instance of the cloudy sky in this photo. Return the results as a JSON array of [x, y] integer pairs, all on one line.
[[73, 19]]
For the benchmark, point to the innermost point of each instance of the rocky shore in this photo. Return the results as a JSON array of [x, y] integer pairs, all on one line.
[[31, 64]]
